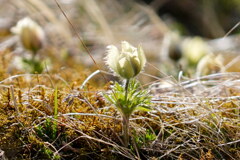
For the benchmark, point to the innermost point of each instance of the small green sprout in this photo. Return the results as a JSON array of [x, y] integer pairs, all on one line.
[[129, 97]]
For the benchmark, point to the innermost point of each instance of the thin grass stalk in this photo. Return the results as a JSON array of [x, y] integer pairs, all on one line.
[[55, 123]]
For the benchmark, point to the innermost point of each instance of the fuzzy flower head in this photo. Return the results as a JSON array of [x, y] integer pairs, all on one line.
[[126, 63], [194, 49], [30, 33]]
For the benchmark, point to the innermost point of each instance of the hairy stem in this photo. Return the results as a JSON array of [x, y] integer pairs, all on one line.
[[125, 123], [126, 88], [125, 118]]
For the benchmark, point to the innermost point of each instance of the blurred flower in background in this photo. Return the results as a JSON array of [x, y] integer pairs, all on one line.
[[32, 38], [31, 34], [194, 49]]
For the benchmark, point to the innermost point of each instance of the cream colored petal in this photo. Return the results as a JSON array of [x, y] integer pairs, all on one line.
[[127, 47], [133, 64], [21, 24], [136, 65], [141, 56], [125, 69], [112, 57]]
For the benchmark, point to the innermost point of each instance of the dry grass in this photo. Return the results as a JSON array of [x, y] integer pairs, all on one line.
[[197, 119], [191, 118]]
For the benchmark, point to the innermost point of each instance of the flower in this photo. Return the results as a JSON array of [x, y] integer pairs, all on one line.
[[209, 64], [194, 49], [31, 34], [127, 63]]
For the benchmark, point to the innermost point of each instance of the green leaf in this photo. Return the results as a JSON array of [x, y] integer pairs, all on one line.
[[136, 99]]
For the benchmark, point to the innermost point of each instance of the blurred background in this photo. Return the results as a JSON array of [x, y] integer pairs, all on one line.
[[210, 19], [197, 37]]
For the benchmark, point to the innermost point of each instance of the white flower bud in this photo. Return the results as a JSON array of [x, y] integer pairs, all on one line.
[[31, 34], [127, 63]]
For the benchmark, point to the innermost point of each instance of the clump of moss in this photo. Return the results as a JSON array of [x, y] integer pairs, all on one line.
[[86, 125]]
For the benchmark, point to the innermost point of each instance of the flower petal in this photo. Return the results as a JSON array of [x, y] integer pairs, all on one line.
[[125, 68], [141, 56], [127, 63], [127, 47], [112, 57]]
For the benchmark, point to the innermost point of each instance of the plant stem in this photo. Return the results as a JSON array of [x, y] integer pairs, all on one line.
[[125, 118], [33, 62], [125, 123], [33, 55], [126, 88]]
